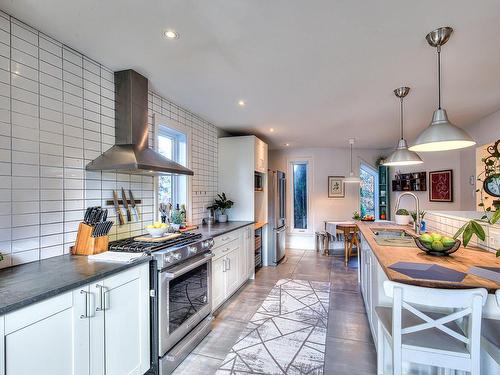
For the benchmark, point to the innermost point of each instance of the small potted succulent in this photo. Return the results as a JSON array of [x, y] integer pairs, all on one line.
[[222, 204], [402, 217], [356, 216], [177, 219]]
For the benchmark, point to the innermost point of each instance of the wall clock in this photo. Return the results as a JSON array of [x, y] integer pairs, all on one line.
[[491, 185], [491, 182]]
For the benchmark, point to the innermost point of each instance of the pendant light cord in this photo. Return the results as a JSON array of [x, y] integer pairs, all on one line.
[[402, 135], [351, 161], [439, 75]]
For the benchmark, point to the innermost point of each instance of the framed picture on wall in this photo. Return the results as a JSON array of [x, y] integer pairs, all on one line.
[[441, 186], [336, 187]]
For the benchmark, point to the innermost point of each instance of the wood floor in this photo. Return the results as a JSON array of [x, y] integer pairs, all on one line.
[[350, 349]]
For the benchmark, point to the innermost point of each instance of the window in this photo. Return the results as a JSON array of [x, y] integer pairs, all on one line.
[[172, 144], [299, 190], [368, 191]]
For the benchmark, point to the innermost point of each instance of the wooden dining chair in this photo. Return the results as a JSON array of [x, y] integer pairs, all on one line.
[[353, 241]]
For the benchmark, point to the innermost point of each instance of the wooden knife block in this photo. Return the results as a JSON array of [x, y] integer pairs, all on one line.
[[86, 244]]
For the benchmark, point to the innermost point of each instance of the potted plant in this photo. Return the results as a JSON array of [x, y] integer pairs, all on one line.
[[402, 217], [222, 204], [177, 218], [356, 216]]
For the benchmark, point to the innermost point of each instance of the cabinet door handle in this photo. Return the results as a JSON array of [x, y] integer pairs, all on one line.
[[223, 265], [86, 294], [229, 263], [101, 298]]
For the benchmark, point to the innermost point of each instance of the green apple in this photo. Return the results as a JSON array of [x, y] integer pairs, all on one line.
[[436, 237], [425, 237], [437, 246], [447, 242]]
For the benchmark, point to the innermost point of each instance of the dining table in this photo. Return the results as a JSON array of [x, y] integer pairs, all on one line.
[[347, 228]]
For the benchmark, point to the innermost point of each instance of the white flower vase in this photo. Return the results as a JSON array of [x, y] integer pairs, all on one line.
[[222, 218], [402, 219]]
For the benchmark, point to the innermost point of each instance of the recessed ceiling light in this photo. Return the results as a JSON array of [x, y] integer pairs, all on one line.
[[287, 144], [271, 130], [171, 34], [241, 103]]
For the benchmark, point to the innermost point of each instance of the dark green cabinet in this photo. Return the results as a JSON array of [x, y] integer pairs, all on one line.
[[384, 201]]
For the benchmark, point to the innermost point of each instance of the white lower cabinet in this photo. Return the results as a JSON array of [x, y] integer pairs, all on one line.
[[232, 265], [102, 328], [47, 338]]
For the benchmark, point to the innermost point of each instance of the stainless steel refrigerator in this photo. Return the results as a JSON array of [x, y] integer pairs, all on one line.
[[276, 217]]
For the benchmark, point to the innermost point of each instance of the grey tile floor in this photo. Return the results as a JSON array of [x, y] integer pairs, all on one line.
[[349, 344]]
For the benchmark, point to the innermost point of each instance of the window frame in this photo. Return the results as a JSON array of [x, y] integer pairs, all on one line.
[[376, 191], [309, 186], [158, 121]]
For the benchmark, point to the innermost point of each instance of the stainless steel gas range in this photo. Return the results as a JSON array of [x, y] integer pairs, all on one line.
[[181, 295]]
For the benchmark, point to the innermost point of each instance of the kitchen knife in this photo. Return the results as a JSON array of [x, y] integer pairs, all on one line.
[[125, 204], [88, 212], [132, 203], [119, 214]]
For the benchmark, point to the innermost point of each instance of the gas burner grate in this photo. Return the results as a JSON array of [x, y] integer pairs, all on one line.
[[132, 246]]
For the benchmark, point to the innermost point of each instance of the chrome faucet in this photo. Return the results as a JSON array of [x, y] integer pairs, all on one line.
[[417, 204]]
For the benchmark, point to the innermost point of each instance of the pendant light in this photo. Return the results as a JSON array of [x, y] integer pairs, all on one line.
[[352, 177], [441, 134], [401, 155]]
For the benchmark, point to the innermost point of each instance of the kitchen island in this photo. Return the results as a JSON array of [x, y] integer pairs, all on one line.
[[374, 268]]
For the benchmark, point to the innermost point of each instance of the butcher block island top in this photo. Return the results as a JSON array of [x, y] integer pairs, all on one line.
[[461, 260]]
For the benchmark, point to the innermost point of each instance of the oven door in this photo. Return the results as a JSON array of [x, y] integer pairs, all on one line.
[[185, 299]]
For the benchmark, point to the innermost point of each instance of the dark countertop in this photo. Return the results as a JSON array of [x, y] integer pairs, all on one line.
[[28, 283], [218, 229]]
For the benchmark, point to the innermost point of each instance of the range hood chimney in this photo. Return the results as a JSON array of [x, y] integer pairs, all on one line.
[[131, 152]]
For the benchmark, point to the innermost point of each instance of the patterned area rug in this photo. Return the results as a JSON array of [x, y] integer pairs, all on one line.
[[287, 335]]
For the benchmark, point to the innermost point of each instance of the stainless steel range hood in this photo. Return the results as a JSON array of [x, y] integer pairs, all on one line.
[[131, 152]]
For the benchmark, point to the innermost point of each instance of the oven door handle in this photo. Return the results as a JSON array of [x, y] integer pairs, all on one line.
[[172, 274]]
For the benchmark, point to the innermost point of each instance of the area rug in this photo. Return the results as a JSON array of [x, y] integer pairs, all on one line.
[[287, 334]]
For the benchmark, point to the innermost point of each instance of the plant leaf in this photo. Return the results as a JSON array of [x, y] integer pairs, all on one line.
[[459, 232], [498, 253], [467, 235], [478, 230], [495, 217]]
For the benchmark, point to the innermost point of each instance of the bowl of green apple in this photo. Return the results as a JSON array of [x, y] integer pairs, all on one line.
[[437, 244]]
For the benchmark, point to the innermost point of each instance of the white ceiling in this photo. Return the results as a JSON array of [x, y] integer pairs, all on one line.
[[317, 71]]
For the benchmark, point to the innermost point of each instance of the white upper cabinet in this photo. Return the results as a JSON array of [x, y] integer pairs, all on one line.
[[239, 159], [260, 156]]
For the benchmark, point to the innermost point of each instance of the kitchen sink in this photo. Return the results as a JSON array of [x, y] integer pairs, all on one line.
[[393, 237]]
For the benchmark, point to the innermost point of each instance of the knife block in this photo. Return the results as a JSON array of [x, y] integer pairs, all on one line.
[[86, 244]]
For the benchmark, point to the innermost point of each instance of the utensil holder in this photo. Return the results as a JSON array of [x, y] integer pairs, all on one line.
[[86, 244]]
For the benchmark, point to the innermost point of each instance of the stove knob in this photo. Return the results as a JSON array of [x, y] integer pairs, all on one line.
[[177, 256], [168, 259], [208, 244], [192, 250]]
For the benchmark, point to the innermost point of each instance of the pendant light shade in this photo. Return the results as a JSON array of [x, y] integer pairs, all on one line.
[[352, 178], [441, 134], [401, 155]]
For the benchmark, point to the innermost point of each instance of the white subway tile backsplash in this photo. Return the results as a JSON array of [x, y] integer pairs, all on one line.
[[62, 117]]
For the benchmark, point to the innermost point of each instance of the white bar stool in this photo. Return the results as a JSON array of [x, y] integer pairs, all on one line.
[[431, 338], [490, 335]]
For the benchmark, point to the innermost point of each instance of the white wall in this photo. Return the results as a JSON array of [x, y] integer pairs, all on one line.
[[486, 130], [433, 161], [326, 162], [56, 115]]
